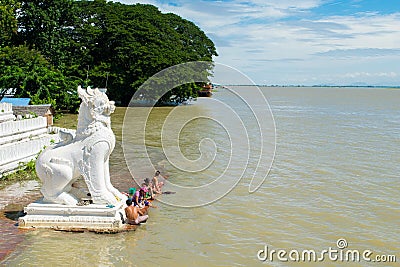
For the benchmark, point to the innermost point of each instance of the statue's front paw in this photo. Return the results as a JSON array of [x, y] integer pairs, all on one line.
[[105, 198], [67, 199]]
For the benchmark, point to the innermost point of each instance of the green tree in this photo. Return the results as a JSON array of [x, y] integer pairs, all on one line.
[[29, 74], [8, 20], [125, 43], [134, 42], [48, 26]]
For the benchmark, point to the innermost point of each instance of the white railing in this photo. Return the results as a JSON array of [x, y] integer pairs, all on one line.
[[17, 127]]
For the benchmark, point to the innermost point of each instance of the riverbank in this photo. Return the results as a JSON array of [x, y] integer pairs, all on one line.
[[13, 199], [25, 173]]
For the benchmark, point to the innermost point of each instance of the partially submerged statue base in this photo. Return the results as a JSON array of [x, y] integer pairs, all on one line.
[[84, 154]]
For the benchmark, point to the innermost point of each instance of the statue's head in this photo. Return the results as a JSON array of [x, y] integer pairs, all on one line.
[[96, 101]]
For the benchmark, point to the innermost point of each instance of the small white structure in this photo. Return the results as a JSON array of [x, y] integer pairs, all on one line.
[[6, 112], [84, 154]]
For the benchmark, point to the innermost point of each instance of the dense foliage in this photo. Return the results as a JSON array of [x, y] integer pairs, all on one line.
[[31, 75], [8, 20], [62, 43]]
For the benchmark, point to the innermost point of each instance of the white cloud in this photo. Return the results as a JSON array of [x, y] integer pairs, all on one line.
[[369, 75], [282, 41], [360, 52]]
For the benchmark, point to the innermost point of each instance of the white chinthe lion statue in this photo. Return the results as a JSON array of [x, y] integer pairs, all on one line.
[[85, 154]]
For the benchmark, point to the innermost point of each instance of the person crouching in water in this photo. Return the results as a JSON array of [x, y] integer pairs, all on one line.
[[148, 194], [140, 200], [134, 214]]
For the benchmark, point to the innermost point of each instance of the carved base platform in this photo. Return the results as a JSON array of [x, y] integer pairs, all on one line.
[[96, 218]]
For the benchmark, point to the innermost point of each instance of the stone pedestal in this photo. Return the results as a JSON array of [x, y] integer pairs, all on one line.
[[93, 217]]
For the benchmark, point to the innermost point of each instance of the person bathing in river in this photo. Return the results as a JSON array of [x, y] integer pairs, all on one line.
[[134, 214], [138, 197], [149, 195], [157, 183], [140, 200]]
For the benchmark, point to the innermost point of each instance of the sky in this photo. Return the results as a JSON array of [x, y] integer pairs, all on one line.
[[300, 42]]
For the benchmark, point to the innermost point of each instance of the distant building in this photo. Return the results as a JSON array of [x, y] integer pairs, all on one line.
[[45, 110]]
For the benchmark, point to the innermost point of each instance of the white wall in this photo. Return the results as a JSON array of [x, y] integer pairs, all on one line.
[[21, 140]]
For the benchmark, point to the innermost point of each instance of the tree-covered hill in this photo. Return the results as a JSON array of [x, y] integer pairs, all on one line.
[[84, 42]]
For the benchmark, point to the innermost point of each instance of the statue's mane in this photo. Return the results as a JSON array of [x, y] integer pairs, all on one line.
[[94, 112], [88, 95]]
